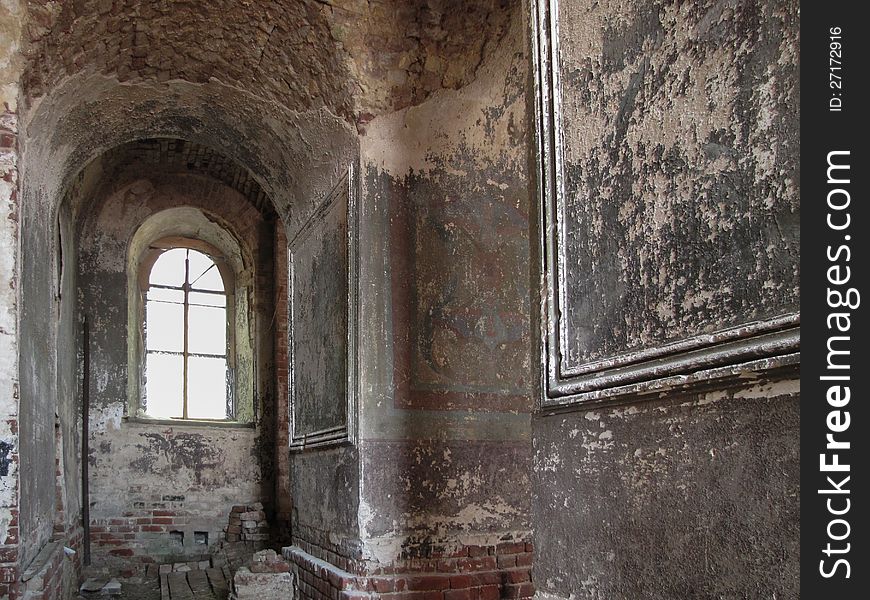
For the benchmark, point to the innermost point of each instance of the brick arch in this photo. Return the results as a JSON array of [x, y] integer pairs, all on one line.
[[145, 195], [169, 157]]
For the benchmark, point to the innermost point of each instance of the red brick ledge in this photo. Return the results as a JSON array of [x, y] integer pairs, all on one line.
[[320, 580]]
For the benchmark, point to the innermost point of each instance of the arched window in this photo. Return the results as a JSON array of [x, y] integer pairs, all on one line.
[[173, 291], [187, 371]]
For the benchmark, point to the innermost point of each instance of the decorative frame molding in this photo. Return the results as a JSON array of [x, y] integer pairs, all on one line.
[[344, 197], [756, 346]]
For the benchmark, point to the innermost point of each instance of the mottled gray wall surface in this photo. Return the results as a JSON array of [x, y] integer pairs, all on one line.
[[68, 370], [420, 487], [691, 497], [325, 489], [671, 214], [319, 300], [460, 288], [38, 386]]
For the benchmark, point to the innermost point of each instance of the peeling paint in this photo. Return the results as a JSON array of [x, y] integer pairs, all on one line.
[[711, 469]]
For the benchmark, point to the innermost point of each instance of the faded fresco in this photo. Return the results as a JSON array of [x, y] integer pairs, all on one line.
[[459, 277]]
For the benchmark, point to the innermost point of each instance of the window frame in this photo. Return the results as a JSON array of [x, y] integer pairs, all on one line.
[[154, 250]]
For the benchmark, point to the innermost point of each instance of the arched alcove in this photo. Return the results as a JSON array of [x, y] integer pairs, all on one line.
[[130, 203], [71, 137]]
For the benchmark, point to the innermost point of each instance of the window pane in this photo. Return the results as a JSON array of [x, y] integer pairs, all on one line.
[[166, 295], [204, 274], [169, 268], [164, 326], [210, 280], [164, 385], [206, 388], [208, 330], [207, 299]]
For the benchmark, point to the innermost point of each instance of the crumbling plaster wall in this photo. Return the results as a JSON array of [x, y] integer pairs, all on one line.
[[439, 126], [445, 305], [693, 495], [151, 480], [325, 492], [11, 25], [278, 86], [680, 137], [40, 403], [80, 102], [680, 215], [68, 370], [296, 156]]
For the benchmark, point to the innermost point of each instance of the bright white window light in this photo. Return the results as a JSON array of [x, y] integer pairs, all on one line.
[[186, 338]]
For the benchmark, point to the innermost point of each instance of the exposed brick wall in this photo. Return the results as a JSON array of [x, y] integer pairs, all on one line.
[[173, 156], [248, 523], [158, 42], [9, 568], [144, 535], [320, 545], [128, 546], [9, 571], [74, 536], [59, 574], [468, 573], [114, 541], [401, 52], [47, 584]]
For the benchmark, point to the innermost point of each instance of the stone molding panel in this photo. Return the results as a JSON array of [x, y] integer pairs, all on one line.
[[669, 194], [323, 315]]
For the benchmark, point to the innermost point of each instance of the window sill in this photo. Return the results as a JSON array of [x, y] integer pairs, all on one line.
[[190, 423]]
